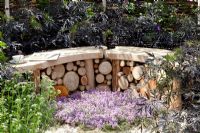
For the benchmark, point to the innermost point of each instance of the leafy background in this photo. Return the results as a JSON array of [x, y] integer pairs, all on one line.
[[69, 24]]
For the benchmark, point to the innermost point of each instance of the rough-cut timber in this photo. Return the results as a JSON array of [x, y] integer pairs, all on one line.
[[126, 70], [109, 77], [84, 80], [105, 67], [96, 66], [176, 101], [130, 77], [137, 72], [82, 71], [83, 53], [66, 55], [115, 71], [48, 71], [134, 53], [59, 81], [71, 80], [90, 73], [100, 78], [144, 89], [96, 61], [36, 75], [58, 71], [123, 83], [122, 63], [69, 66], [82, 87], [82, 63], [130, 63], [75, 68]]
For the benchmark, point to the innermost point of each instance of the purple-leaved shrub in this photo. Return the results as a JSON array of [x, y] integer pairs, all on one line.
[[98, 109]]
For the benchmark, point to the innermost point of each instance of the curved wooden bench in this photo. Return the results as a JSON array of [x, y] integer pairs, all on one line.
[[118, 68]]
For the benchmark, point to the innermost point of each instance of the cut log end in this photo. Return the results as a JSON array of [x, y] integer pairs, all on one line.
[[137, 72], [96, 61], [58, 72], [71, 80], [48, 71], [70, 66], [122, 63], [100, 78], [84, 80], [123, 82], [109, 77], [82, 71], [105, 67]]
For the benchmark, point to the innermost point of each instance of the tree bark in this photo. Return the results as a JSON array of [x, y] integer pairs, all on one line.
[[7, 8]]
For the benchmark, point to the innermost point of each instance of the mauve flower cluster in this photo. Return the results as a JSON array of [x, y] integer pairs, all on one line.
[[96, 108]]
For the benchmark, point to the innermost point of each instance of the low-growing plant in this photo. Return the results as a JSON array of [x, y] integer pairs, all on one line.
[[102, 109], [21, 110], [3, 46]]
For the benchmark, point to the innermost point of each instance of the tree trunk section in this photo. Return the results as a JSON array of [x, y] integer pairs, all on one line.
[[71, 80], [100, 78], [48, 71], [105, 67], [84, 80], [70, 66], [58, 72], [123, 83], [82, 71]]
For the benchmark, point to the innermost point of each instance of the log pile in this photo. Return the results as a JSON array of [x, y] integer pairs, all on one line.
[[72, 75], [103, 73], [132, 75]]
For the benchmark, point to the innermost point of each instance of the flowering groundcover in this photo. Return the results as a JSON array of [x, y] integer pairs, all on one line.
[[98, 109]]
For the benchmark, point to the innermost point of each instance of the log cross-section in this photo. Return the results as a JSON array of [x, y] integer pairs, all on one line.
[[115, 71]]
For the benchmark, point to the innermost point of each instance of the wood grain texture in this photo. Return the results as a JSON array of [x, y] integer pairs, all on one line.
[[137, 54], [90, 73], [66, 55], [71, 80], [115, 71], [36, 76]]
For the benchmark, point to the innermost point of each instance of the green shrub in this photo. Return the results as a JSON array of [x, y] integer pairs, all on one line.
[[2, 55], [21, 109]]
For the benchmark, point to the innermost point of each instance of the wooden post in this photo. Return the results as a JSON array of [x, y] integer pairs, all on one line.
[[115, 70], [90, 73], [7, 8], [36, 74], [176, 101]]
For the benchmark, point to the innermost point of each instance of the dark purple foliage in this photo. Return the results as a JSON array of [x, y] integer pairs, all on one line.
[[99, 108]]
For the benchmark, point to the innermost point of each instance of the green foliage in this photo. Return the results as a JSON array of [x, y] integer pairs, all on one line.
[[1, 35], [89, 12], [3, 46], [130, 7], [43, 3], [107, 33], [35, 24], [47, 18], [21, 110]]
